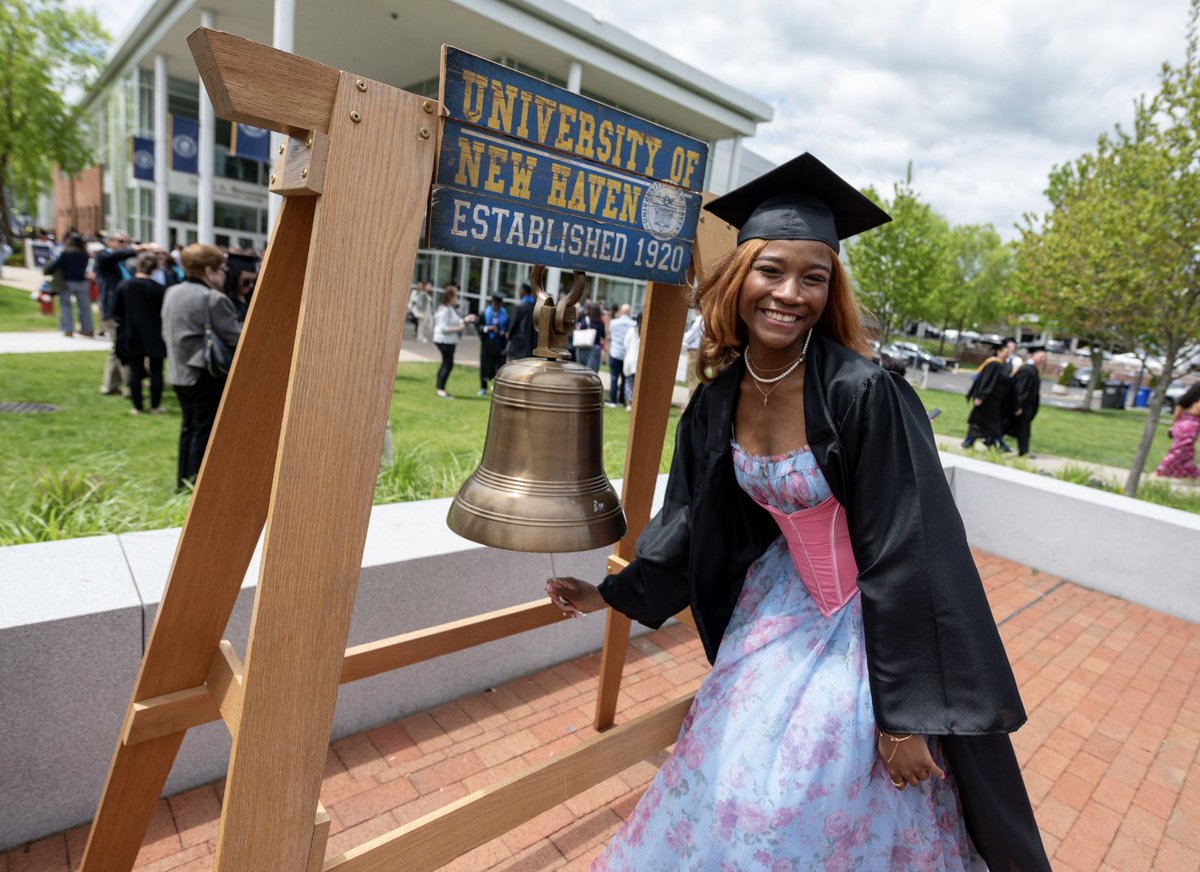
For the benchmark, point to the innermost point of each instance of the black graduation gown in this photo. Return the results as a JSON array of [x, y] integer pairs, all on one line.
[[1026, 389], [992, 385], [137, 309], [935, 660]]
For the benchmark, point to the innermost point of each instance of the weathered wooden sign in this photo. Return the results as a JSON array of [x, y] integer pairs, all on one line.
[[531, 172]]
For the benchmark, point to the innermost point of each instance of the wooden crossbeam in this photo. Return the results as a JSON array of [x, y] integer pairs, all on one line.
[[449, 832], [220, 696]]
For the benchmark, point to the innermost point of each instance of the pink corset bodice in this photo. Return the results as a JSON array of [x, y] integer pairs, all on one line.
[[812, 521]]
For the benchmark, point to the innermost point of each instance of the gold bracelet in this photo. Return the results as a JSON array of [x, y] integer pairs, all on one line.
[[895, 740]]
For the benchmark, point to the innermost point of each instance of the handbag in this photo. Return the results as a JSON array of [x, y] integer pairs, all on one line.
[[584, 337], [218, 357], [58, 284]]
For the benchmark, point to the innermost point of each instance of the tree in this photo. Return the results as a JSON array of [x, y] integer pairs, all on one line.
[[1118, 255], [46, 50], [901, 268], [980, 269]]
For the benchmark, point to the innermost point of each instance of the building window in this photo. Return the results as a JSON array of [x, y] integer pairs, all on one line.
[[235, 217], [182, 208]]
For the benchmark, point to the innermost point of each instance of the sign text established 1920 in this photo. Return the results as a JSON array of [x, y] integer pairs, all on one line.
[[535, 173]]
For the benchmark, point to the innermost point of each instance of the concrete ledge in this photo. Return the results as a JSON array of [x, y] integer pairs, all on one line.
[[75, 616], [1129, 548]]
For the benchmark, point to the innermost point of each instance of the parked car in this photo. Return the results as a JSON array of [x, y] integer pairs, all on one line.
[[1081, 377], [916, 355]]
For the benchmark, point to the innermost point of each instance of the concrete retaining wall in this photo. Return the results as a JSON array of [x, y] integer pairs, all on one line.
[[74, 617]]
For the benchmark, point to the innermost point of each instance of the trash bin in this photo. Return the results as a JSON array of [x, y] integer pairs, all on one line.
[[1142, 400], [1113, 396]]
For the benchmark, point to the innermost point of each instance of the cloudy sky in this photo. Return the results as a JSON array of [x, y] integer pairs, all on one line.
[[982, 97]]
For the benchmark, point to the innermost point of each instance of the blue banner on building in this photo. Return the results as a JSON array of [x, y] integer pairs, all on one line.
[[185, 144], [253, 143], [143, 158], [534, 173]]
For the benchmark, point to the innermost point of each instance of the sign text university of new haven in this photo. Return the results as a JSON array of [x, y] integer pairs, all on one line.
[[534, 173]]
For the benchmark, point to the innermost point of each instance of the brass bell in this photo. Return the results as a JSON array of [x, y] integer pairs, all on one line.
[[540, 485]]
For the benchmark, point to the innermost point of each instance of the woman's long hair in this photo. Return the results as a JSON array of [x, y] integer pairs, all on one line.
[[725, 333]]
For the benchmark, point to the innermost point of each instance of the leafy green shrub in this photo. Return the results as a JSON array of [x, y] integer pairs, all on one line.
[[1067, 374]]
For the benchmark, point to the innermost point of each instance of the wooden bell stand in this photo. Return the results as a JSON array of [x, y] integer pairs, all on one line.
[[295, 451]]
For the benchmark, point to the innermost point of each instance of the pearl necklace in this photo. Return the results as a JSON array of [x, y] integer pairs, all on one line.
[[759, 380]]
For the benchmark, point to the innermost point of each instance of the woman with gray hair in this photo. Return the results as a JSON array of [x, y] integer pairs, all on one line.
[[188, 309]]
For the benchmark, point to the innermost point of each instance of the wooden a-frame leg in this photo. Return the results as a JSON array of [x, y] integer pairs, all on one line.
[[221, 529], [351, 326], [663, 319]]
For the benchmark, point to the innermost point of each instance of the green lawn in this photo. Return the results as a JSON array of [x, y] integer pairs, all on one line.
[[19, 313], [1106, 436], [94, 468]]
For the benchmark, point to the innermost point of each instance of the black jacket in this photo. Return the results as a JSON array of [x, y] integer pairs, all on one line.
[[522, 334], [935, 660]]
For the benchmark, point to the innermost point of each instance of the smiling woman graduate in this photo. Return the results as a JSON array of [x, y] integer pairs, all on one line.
[[858, 709]]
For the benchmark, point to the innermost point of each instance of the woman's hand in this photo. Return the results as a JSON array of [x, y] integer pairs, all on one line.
[[574, 597], [907, 761]]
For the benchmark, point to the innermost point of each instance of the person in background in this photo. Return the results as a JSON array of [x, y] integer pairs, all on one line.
[[1026, 388], [990, 394], [859, 704], [1180, 460], [421, 306], [72, 263], [448, 328], [240, 278], [493, 334], [137, 310], [166, 271], [691, 347], [110, 270], [632, 345], [186, 308], [5, 252], [616, 348], [592, 319], [522, 333]]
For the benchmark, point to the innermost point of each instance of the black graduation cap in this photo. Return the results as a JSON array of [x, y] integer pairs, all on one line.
[[1030, 349], [241, 262], [802, 199]]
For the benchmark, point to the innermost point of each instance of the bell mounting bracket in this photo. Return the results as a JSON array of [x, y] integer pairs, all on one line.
[[555, 321]]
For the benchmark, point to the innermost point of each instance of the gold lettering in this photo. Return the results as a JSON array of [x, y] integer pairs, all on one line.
[[616, 155], [595, 189], [653, 144], [578, 203], [545, 113], [558, 187], [635, 139], [523, 166], [523, 125], [473, 82], [587, 130], [612, 187], [605, 151], [693, 158], [497, 157], [503, 97], [469, 154], [562, 140], [629, 205], [677, 158]]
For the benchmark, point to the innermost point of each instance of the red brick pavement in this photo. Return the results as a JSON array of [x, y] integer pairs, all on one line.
[[1109, 753]]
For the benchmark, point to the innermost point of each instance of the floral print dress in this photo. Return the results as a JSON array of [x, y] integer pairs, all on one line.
[[1180, 461], [775, 767]]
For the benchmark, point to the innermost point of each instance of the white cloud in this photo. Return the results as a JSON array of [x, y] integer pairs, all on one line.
[[982, 98]]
